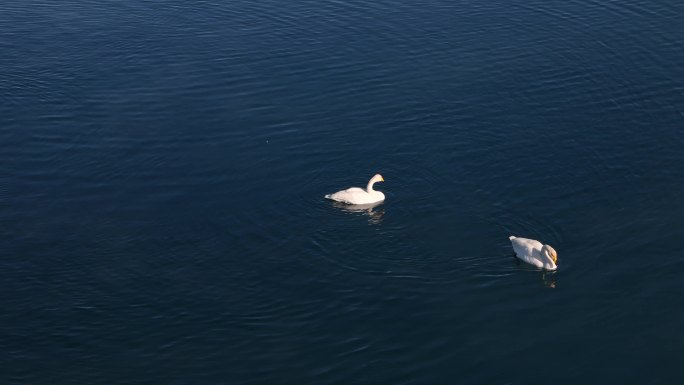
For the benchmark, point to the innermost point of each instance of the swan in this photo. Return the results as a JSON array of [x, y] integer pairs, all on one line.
[[359, 196], [534, 253]]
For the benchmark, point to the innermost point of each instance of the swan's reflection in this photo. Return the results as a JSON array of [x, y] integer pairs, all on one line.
[[549, 278], [375, 215]]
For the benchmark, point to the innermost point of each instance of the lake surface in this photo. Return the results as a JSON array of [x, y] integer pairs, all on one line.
[[163, 166]]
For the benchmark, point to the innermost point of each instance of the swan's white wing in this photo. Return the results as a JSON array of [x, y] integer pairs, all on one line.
[[353, 190], [528, 250], [353, 195], [526, 244]]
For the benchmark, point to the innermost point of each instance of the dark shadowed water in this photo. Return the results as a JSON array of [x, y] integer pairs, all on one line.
[[163, 166]]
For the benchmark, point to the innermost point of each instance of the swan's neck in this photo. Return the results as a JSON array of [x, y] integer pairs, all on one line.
[[369, 188], [547, 260], [549, 264]]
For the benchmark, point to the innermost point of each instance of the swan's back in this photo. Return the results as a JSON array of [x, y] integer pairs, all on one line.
[[353, 195], [529, 250]]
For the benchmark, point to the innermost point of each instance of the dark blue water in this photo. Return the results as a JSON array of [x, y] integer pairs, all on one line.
[[162, 168]]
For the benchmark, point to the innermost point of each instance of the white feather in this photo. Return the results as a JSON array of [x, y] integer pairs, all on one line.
[[531, 251], [359, 196]]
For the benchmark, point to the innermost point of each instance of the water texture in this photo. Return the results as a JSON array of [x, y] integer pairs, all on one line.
[[163, 166]]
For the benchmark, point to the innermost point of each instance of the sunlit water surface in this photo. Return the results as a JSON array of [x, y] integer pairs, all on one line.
[[163, 166]]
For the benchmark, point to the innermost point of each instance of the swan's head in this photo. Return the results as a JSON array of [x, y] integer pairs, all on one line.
[[550, 252], [369, 188]]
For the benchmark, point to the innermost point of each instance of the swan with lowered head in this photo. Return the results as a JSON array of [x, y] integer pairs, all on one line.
[[359, 196], [534, 253]]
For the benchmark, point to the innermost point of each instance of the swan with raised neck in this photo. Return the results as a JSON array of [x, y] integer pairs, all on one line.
[[359, 196]]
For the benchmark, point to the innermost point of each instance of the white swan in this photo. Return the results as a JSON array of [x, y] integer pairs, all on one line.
[[359, 196], [534, 253]]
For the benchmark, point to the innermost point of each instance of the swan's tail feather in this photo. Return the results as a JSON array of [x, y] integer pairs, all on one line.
[[511, 237], [328, 196]]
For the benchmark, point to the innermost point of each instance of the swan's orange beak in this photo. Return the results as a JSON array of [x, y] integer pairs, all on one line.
[[382, 179]]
